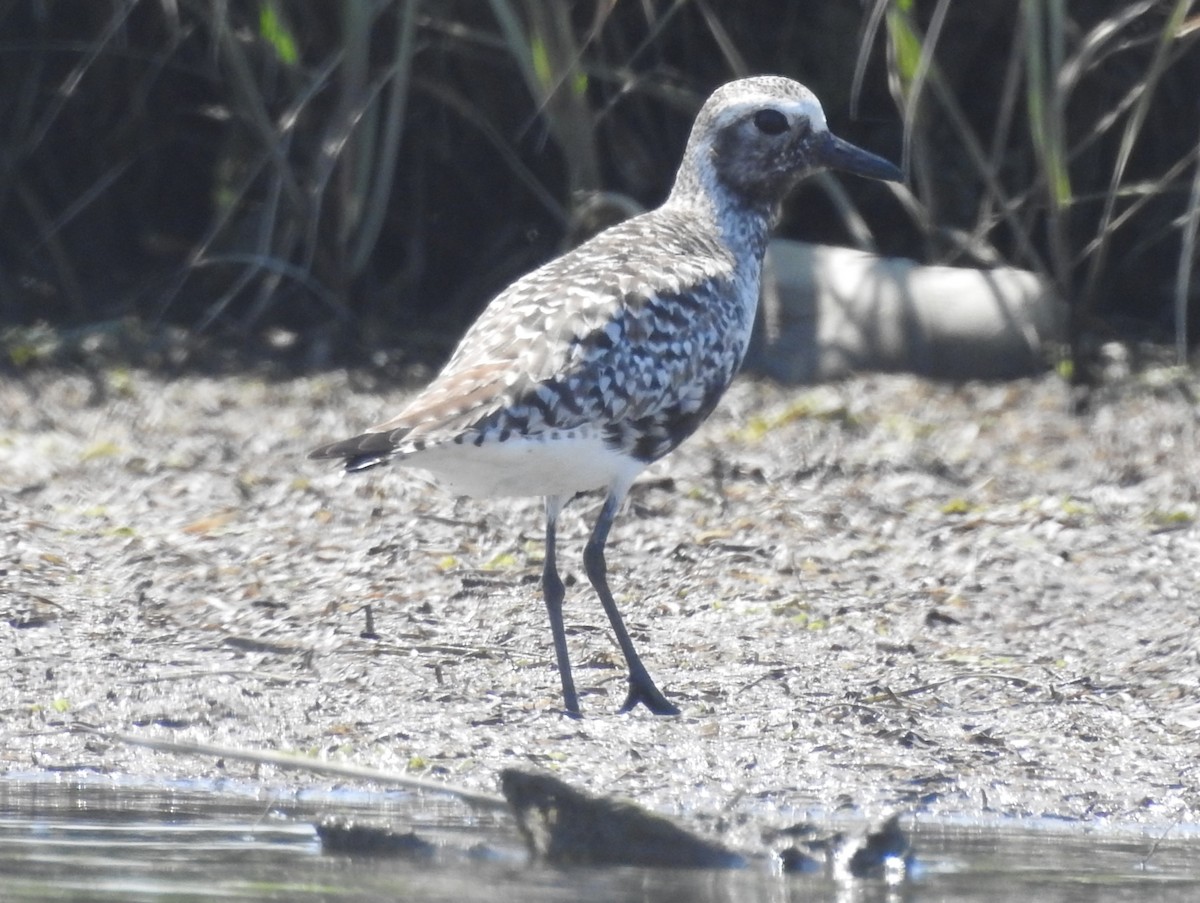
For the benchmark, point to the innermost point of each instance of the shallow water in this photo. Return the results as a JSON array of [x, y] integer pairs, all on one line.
[[122, 840]]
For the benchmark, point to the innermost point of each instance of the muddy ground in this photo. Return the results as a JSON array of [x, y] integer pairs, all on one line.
[[880, 593]]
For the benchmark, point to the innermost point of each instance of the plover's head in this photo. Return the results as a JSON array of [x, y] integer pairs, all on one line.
[[756, 137]]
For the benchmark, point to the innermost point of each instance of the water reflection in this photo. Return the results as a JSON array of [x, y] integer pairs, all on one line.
[[121, 840]]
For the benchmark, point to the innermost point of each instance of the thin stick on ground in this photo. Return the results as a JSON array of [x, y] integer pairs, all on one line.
[[292, 762]]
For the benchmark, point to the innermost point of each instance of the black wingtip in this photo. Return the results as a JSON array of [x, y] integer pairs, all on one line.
[[364, 462], [358, 453], [344, 449]]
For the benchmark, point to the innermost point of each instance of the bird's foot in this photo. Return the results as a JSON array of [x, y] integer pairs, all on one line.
[[570, 700], [645, 692]]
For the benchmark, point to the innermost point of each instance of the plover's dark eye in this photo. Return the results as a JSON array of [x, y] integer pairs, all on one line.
[[770, 122]]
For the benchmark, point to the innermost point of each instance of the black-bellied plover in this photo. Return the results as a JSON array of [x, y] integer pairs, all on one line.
[[580, 374]]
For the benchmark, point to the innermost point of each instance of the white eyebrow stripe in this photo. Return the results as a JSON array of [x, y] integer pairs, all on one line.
[[792, 108]]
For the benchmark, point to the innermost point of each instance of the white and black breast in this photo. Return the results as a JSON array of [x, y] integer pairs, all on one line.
[[647, 338]]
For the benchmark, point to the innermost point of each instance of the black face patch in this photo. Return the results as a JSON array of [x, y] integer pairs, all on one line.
[[759, 168]]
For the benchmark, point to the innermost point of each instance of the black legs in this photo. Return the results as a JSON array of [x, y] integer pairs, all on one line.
[[554, 591], [641, 686]]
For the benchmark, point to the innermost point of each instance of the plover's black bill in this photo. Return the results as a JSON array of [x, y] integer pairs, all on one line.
[[835, 153]]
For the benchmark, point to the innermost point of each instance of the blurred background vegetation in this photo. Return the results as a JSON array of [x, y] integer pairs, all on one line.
[[316, 181]]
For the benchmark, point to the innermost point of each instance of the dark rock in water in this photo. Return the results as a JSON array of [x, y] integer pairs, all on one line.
[[877, 852], [564, 826], [796, 861], [885, 852], [357, 839]]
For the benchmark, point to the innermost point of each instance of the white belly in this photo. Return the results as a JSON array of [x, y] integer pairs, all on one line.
[[522, 466]]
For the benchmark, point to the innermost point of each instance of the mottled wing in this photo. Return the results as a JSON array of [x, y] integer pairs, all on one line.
[[620, 335], [447, 407]]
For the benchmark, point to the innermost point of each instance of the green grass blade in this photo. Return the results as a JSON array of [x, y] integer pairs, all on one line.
[[1167, 35], [388, 150], [275, 31], [1187, 260]]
